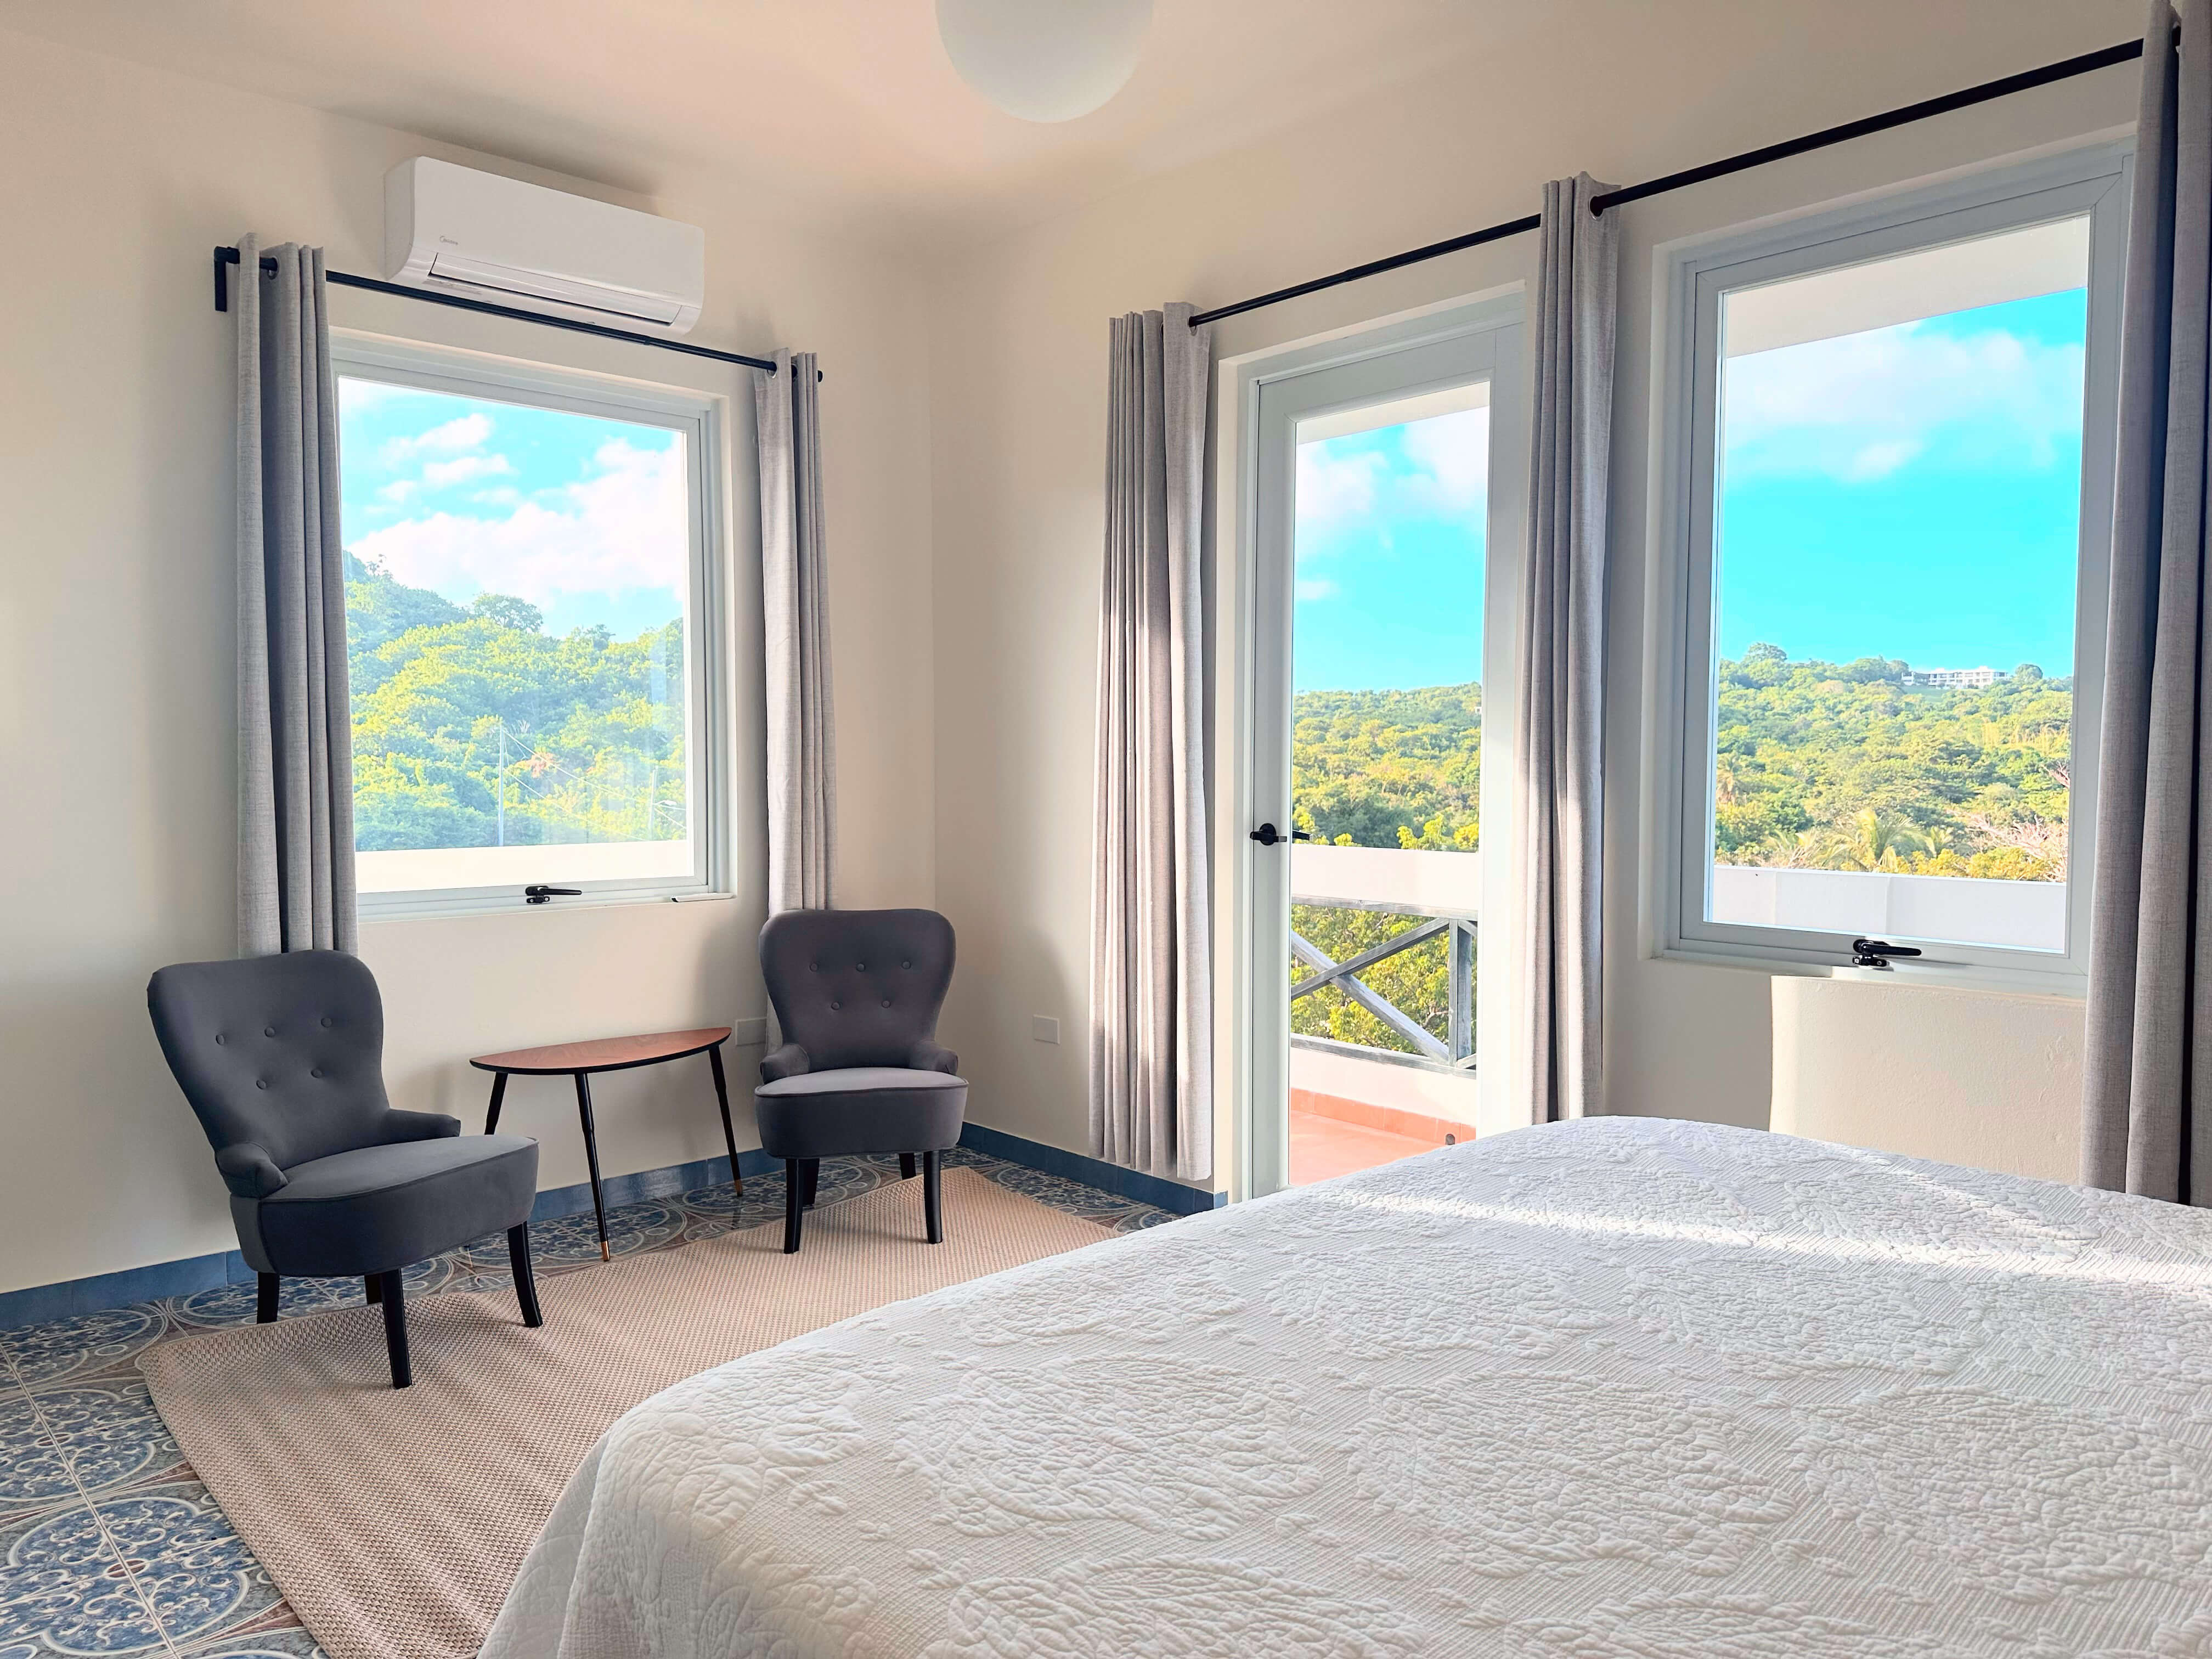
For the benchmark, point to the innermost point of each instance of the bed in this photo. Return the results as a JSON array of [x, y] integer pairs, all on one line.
[[1620, 1387]]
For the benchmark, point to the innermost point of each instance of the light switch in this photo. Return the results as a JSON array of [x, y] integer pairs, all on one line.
[[1043, 1028]]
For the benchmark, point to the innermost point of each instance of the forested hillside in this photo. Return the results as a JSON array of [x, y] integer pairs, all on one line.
[[1821, 766], [590, 727]]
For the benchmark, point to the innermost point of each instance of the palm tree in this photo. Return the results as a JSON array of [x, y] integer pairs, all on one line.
[[1872, 840]]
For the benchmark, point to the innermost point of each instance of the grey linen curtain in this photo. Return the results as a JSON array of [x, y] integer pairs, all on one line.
[[1151, 996], [2147, 1125], [802, 753], [1559, 796], [295, 865]]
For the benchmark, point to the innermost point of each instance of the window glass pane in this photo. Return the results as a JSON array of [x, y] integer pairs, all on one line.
[[1897, 531], [517, 610]]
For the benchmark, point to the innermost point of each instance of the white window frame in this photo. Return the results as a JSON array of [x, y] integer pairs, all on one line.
[[700, 417], [1694, 273]]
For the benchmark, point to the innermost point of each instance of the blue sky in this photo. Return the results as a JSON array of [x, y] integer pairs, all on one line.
[[1389, 549], [587, 518], [1911, 491]]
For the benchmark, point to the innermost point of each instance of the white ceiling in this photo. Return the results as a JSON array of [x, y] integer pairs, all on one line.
[[848, 104]]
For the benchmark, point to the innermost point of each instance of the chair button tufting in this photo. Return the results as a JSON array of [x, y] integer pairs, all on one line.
[[906, 964], [326, 1021], [860, 966], [813, 967], [261, 1083], [318, 1071], [269, 1030], [887, 1002], [835, 1004], [220, 1039]]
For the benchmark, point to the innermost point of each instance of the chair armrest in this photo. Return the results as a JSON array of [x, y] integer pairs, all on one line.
[[789, 1061], [418, 1126], [249, 1171], [927, 1056]]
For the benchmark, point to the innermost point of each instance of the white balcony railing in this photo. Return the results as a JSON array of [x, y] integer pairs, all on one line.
[[2025, 915]]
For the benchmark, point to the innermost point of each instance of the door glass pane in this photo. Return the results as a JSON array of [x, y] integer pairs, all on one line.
[[1896, 548], [1386, 771], [517, 591]]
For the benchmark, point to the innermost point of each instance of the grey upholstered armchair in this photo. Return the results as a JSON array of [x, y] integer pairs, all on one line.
[[857, 995], [282, 1057]]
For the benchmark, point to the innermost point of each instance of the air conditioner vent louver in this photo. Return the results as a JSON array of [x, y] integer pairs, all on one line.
[[452, 228]]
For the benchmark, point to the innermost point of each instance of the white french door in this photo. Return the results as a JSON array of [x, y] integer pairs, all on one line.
[[1386, 473]]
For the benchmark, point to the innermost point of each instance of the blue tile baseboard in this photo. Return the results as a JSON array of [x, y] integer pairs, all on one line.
[[35, 1304], [1158, 1191]]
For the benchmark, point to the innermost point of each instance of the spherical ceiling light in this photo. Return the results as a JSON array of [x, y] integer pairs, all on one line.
[[1044, 60]]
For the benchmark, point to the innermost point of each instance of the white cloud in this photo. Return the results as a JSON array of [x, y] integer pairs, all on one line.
[[627, 526], [463, 432], [1334, 487], [504, 495], [462, 468], [399, 490], [1452, 453], [1306, 589], [1860, 407]]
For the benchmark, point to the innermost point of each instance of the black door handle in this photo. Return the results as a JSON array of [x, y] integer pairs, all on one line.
[[1266, 835], [540, 894]]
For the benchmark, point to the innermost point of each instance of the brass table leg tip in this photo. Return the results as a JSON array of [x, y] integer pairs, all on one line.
[[603, 1256]]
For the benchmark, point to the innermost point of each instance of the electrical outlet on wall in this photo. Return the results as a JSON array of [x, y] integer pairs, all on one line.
[[1043, 1028]]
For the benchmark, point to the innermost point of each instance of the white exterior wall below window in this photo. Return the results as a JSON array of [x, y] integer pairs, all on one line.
[[2028, 916]]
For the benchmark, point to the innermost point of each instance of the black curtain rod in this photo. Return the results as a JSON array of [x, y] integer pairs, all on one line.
[[227, 257], [2064, 70]]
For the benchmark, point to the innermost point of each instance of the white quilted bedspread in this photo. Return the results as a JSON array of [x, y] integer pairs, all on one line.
[[1618, 1387]]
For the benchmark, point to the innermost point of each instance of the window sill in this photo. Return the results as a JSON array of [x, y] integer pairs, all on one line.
[[2050, 985], [374, 914]]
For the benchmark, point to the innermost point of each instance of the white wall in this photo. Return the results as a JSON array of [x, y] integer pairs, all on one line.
[[116, 646], [1857, 1062], [1018, 411]]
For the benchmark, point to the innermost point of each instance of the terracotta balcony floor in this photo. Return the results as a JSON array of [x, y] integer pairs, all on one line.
[[1324, 1146]]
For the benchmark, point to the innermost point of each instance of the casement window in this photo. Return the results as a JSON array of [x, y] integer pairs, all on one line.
[[1886, 528], [532, 623]]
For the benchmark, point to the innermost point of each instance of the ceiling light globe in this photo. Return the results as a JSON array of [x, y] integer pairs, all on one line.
[[1044, 60]]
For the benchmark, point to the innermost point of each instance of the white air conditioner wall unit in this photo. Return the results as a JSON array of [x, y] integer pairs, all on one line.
[[458, 231]]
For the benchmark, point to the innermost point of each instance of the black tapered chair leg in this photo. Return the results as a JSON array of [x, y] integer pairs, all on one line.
[[933, 1197], [813, 1181], [525, 1279], [794, 1206], [906, 1166], [394, 1300], [264, 1299], [375, 1291]]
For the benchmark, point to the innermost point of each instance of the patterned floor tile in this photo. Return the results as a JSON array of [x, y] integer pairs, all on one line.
[[109, 1545], [64, 1590], [191, 1567]]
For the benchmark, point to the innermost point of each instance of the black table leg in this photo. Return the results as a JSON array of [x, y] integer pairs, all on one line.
[[498, 1094], [264, 1299], [525, 1279], [395, 1329], [722, 1098], [591, 1157], [933, 1199], [792, 1206], [906, 1166]]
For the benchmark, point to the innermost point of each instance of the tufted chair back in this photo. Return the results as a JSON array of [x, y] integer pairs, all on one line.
[[285, 1053], [857, 987]]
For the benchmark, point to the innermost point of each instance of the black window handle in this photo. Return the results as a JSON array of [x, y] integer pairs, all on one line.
[[540, 894], [1875, 952], [1267, 835]]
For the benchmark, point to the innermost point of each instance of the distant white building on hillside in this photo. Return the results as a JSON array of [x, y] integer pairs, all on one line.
[[1957, 680]]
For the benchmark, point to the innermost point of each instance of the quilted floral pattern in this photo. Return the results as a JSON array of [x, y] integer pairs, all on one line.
[[1611, 1389]]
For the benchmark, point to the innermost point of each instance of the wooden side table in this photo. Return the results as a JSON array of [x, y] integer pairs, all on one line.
[[581, 1060]]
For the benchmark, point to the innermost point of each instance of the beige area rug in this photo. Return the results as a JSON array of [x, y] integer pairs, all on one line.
[[395, 1519]]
